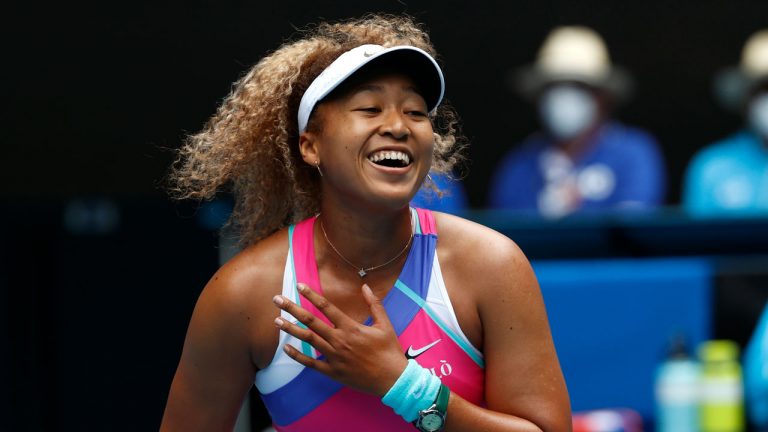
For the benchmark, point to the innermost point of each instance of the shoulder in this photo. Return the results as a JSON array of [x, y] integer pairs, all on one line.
[[237, 299], [727, 154], [728, 147], [457, 233], [255, 266], [479, 256], [257, 263]]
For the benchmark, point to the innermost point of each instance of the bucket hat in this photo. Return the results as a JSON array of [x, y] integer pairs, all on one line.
[[576, 54], [732, 85]]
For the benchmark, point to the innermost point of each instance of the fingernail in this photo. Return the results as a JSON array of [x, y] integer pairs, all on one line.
[[278, 322], [278, 300], [302, 287]]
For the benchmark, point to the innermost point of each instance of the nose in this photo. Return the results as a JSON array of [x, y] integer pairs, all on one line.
[[395, 125]]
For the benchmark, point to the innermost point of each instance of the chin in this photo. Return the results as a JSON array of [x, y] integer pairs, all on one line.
[[393, 204], [394, 199]]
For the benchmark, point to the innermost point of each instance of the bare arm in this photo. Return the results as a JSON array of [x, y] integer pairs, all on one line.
[[229, 335], [525, 389], [215, 371]]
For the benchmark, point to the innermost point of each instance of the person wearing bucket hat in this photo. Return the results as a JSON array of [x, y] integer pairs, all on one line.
[[342, 307], [582, 160], [731, 175]]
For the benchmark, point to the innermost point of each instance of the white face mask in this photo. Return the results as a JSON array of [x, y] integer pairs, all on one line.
[[567, 110], [758, 114]]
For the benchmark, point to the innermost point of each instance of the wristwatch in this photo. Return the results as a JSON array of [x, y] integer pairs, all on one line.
[[432, 419]]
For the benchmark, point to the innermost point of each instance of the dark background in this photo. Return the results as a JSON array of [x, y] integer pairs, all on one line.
[[96, 96], [94, 93]]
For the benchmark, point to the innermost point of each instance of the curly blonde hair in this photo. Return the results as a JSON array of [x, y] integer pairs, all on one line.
[[251, 143]]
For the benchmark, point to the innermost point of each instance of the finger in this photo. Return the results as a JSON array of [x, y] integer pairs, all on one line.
[[303, 316], [378, 313], [334, 314], [307, 361], [304, 334]]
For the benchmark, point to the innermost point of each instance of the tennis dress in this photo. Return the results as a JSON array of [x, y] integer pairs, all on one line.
[[301, 399]]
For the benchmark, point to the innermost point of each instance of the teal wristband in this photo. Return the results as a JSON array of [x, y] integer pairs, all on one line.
[[414, 391]]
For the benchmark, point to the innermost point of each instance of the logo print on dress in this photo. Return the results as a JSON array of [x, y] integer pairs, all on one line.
[[412, 353]]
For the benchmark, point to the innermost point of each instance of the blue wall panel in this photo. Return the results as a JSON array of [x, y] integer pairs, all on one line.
[[612, 321]]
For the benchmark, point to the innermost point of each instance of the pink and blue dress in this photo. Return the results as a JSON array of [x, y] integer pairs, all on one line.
[[301, 399]]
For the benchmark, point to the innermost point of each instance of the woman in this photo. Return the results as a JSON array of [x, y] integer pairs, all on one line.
[[338, 126]]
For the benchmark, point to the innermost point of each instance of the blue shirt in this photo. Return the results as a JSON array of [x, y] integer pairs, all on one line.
[[622, 167], [728, 177]]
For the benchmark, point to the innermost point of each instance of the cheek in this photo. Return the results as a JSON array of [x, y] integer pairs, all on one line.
[[427, 140]]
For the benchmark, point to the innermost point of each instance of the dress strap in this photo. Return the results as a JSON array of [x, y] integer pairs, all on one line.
[[303, 249], [426, 221]]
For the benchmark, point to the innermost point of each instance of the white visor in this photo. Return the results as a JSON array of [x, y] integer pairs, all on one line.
[[415, 61]]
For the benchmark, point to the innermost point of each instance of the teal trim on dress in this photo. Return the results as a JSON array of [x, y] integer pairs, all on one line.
[[306, 348], [417, 225], [459, 341]]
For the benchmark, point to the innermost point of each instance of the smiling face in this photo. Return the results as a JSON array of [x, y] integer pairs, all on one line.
[[373, 140]]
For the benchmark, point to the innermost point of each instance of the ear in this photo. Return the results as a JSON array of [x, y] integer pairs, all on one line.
[[308, 145]]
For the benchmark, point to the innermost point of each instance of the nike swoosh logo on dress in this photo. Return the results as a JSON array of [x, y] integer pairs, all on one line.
[[413, 353]]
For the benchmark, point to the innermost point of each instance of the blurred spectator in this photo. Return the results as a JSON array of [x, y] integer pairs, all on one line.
[[731, 176], [755, 376], [453, 199], [582, 160]]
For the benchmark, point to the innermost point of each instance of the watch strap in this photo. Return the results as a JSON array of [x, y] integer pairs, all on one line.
[[438, 407], [443, 395]]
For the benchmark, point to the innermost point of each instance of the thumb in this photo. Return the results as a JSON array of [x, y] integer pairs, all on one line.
[[378, 314]]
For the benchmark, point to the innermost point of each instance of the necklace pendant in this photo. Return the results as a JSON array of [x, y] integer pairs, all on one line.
[[362, 273]]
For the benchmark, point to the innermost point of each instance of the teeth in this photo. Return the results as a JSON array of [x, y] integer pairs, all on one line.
[[392, 155]]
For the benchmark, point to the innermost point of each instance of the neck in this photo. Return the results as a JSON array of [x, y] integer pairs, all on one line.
[[365, 238]]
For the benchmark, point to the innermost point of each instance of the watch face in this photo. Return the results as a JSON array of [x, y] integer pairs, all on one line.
[[431, 422]]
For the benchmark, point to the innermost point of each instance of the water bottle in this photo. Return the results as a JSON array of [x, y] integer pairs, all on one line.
[[722, 395], [677, 391]]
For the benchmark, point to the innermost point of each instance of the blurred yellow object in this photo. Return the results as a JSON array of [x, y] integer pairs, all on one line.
[[722, 400]]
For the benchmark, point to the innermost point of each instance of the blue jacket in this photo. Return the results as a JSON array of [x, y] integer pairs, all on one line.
[[623, 166], [728, 177]]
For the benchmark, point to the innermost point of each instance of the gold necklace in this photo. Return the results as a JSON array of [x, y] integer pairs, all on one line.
[[364, 271]]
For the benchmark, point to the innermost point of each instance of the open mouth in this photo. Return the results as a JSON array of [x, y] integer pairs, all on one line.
[[390, 158]]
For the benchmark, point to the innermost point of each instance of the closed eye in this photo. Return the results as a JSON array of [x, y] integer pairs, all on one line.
[[369, 109], [418, 113]]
